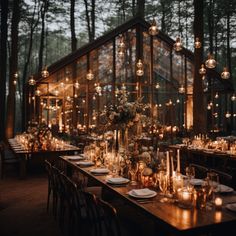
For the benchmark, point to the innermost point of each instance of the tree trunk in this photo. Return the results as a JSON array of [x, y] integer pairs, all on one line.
[[28, 57], [13, 64], [72, 26], [199, 112], [210, 25], [228, 43], [93, 20], [88, 19], [42, 36], [3, 63], [141, 8]]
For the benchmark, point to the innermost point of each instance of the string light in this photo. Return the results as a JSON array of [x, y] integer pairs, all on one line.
[[139, 71]]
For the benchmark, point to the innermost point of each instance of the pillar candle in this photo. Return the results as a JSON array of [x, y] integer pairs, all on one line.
[[178, 161], [172, 165], [167, 163]]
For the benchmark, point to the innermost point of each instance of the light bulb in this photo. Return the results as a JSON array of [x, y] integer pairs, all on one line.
[[210, 62], [153, 30], [197, 43], [45, 72], [225, 74], [178, 44], [202, 70], [32, 81], [90, 75]]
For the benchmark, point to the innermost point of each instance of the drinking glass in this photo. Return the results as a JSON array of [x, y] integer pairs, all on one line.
[[133, 169], [213, 182], [190, 172], [163, 182]]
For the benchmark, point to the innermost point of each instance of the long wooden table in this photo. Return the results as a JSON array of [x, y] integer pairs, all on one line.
[[168, 216], [25, 156]]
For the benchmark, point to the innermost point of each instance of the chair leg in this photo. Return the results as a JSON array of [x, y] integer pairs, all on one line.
[[48, 200]]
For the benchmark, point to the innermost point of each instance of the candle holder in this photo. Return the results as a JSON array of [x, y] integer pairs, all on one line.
[[185, 197], [218, 203]]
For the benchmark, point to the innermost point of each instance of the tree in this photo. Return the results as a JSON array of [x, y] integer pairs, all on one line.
[[44, 9], [199, 118], [13, 68], [3, 65], [72, 26], [32, 21], [90, 18]]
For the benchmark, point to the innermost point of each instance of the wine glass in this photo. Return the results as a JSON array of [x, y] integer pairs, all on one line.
[[213, 182], [163, 183], [133, 169]]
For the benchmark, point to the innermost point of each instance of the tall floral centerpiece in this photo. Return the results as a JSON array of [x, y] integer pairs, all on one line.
[[123, 116]]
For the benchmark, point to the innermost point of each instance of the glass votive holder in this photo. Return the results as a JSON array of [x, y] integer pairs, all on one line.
[[200, 198], [218, 203], [185, 197], [178, 183]]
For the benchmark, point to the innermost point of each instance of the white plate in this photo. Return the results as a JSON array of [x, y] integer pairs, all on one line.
[[99, 171], [142, 193], [84, 163], [117, 180], [224, 189], [231, 207], [74, 158]]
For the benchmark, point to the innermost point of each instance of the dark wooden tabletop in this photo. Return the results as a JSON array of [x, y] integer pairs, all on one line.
[[168, 214]]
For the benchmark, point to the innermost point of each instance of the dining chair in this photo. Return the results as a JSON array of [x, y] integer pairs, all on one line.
[[48, 167], [224, 178], [5, 160], [200, 171]]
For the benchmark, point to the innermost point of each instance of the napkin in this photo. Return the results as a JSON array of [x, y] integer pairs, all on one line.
[[100, 170], [118, 180], [224, 189], [85, 163], [142, 192], [75, 157]]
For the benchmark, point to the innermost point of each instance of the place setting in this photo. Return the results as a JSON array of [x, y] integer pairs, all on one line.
[[117, 181]]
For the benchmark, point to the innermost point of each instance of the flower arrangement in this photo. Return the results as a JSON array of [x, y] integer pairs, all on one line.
[[124, 113]]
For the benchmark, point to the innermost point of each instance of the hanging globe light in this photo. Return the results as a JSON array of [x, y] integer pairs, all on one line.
[[139, 71], [37, 92], [15, 82], [121, 43], [153, 30], [157, 86], [197, 43], [225, 74], [181, 89], [44, 72], [210, 62], [217, 95], [227, 115], [56, 92], [77, 84], [233, 98], [202, 70], [32, 81], [178, 45], [98, 89], [208, 107], [121, 53], [90, 75], [16, 75]]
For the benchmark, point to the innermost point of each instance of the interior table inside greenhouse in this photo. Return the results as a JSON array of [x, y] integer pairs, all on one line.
[[117, 118]]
